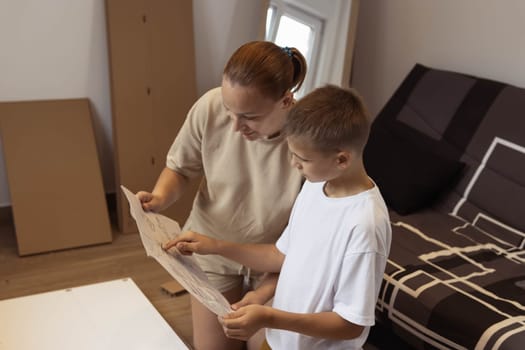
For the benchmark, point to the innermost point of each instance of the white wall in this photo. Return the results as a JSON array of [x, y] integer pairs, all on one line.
[[220, 27], [57, 49], [479, 37]]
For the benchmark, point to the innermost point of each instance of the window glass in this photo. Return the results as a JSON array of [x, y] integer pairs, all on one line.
[[289, 26], [294, 33]]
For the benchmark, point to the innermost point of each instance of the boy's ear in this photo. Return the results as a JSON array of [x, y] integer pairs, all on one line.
[[343, 159]]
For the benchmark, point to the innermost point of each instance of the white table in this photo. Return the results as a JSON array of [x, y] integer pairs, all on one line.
[[110, 315]]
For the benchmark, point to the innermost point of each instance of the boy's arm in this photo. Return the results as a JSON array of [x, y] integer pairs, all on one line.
[[264, 292], [243, 323], [320, 325], [260, 257]]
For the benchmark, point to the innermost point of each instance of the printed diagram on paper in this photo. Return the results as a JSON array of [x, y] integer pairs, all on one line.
[[156, 229]]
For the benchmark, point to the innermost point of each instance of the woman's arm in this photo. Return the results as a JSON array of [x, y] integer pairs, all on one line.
[[243, 323], [169, 187]]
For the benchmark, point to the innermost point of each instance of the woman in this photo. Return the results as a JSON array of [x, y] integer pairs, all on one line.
[[232, 137]]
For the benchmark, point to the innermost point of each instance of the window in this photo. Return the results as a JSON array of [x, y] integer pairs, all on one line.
[[287, 25]]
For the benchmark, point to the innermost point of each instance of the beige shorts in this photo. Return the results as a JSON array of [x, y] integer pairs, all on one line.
[[225, 274], [265, 346]]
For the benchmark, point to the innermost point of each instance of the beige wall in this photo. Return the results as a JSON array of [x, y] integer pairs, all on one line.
[[479, 37], [220, 28], [57, 49]]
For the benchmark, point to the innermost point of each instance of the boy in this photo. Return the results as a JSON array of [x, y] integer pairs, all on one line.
[[332, 255]]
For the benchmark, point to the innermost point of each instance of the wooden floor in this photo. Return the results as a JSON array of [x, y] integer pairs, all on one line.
[[125, 257]]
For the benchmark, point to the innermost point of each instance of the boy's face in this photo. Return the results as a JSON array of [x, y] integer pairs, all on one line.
[[252, 114], [314, 165]]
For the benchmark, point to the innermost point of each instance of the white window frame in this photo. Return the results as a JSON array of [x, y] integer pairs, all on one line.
[[334, 52], [280, 8]]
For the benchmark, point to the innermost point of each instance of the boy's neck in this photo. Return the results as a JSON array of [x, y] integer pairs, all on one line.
[[354, 181]]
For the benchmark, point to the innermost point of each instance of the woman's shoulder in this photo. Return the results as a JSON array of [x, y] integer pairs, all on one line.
[[211, 98], [209, 107], [208, 114]]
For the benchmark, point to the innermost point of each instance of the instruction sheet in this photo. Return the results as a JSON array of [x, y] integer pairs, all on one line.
[[155, 230]]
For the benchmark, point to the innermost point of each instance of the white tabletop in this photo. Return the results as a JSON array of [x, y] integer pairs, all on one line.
[[110, 315]]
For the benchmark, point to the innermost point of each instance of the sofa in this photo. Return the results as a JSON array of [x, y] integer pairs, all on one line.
[[448, 154]]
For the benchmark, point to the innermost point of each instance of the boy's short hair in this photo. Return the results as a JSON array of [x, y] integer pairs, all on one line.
[[331, 118]]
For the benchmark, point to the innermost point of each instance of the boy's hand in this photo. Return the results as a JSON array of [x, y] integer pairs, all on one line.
[[250, 298], [191, 242], [243, 323], [149, 201]]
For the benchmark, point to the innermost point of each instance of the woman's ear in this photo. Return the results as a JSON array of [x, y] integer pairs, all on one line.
[[287, 99]]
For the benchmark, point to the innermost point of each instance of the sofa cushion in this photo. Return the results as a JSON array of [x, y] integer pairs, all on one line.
[[473, 120], [492, 192], [409, 172]]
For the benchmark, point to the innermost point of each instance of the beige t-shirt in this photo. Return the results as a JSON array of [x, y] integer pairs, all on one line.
[[249, 187]]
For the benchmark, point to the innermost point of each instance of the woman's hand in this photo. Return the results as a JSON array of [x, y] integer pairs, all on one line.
[[150, 202], [168, 189], [191, 242]]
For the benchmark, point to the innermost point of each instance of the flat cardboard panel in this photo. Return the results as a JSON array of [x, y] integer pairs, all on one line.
[[54, 175], [128, 38], [153, 86], [112, 315], [173, 288], [174, 93]]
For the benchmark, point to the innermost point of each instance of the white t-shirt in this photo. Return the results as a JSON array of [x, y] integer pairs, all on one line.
[[336, 251]]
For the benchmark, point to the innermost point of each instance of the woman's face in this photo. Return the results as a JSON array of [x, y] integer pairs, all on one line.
[[254, 115]]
